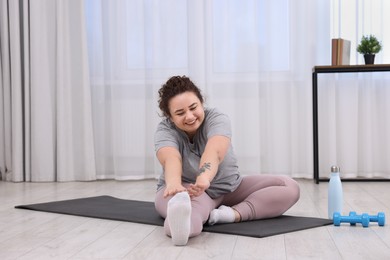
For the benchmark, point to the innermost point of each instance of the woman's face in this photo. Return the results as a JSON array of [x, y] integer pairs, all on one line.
[[187, 112]]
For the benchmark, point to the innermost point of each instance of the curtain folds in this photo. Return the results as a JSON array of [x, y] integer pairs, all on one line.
[[46, 101], [252, 59], [79, 82], [354, 121], [353, 107]]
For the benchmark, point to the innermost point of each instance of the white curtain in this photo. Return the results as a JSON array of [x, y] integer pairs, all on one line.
[[252, 59], [354, 108], [46, 123]]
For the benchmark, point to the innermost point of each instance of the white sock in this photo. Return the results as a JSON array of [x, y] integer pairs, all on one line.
[[223, 214], [179, 218]]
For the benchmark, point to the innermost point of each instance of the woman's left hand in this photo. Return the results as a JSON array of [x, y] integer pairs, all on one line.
[[202, 183]]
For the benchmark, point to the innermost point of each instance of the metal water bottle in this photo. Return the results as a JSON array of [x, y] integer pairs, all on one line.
[[335, 192]]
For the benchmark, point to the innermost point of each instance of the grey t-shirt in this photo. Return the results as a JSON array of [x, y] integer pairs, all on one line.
[[227, 178]]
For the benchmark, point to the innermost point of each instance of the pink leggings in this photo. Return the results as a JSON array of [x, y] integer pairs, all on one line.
[[257, 197]]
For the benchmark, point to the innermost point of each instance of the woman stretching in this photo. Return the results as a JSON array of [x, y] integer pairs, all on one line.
[[201, 181]]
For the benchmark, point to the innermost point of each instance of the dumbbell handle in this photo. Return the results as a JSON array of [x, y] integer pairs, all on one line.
[[380, 218]]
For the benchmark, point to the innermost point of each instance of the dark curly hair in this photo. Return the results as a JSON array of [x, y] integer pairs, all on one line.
[[174, 86]]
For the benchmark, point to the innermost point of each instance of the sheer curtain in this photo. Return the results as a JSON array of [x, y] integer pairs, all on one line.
[[252, 59], [46, 124], [354, 110], [64, 117]]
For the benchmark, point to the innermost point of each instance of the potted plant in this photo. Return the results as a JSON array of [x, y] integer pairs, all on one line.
[[369, 46]]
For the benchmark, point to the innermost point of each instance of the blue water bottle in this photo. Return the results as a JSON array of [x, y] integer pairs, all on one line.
[[335, 192]]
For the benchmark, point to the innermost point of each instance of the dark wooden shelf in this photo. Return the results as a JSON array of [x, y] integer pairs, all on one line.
[[351, 68]]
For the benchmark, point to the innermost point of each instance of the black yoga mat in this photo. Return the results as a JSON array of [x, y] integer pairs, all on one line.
[[107, 207]]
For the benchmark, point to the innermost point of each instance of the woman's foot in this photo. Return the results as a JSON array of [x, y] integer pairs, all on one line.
[[223, 214], [179, 218]]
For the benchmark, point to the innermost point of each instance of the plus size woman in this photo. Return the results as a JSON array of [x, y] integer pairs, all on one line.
[[201, 181]]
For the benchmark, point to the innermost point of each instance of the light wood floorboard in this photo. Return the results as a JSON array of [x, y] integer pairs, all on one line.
[[26, 234]]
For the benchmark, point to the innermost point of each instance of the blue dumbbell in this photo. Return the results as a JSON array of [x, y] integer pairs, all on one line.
[[352, 219], [380, 218]]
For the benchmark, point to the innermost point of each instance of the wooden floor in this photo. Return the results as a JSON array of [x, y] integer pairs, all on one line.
[[26, 234]]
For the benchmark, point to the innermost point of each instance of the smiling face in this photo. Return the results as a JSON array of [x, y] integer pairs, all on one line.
[[187, 112]]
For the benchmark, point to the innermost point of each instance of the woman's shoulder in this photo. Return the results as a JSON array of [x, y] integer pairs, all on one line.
[[166, 131], [215, 114], [165, 123], [166, 126], [213, 111]]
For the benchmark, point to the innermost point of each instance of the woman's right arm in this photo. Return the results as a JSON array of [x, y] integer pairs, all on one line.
[[170, 160]]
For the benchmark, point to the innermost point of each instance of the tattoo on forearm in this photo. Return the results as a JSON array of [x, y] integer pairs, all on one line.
[[205, 166]]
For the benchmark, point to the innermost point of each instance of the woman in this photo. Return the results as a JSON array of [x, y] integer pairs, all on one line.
[[200, 181]]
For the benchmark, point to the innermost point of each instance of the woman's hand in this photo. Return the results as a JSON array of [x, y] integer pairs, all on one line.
[[213, 154], [171, 190], [202, 183]]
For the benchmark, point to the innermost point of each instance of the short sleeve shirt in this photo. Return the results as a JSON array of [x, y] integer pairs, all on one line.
[[215, 123]]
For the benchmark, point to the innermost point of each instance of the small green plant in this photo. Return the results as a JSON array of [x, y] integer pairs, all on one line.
[[369, 45]]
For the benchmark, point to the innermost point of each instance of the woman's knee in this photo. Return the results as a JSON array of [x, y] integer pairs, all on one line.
[[292, 190], [293, 186]]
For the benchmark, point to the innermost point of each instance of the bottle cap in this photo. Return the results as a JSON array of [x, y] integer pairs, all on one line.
[[335, 168]]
